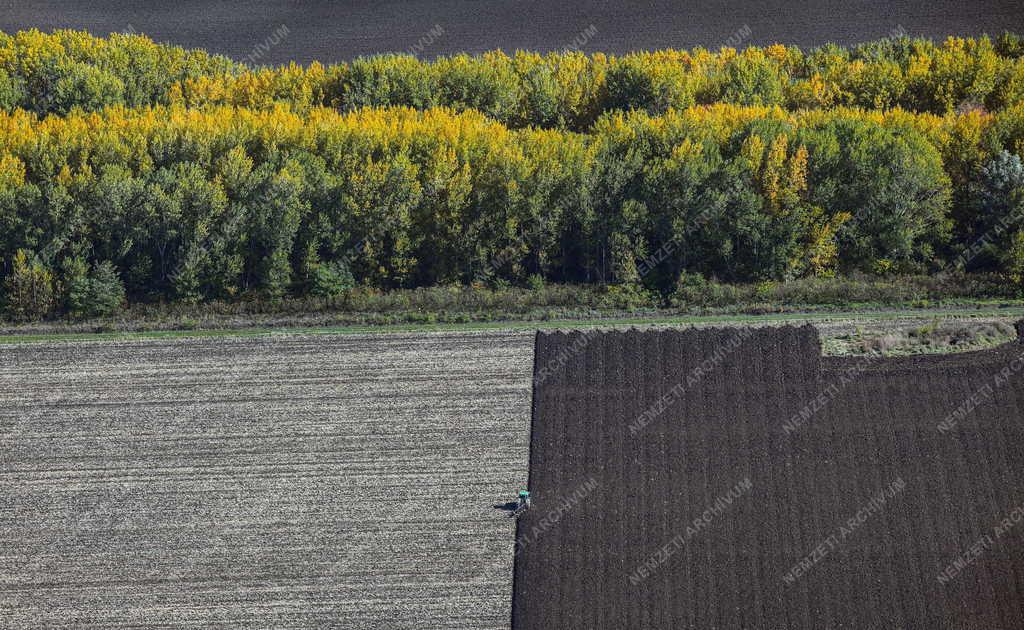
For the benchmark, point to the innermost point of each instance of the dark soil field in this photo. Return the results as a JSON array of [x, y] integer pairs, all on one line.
[[336, 31], [726, 479]]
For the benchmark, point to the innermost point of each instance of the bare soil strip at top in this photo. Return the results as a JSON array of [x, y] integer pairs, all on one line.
[[326, 31]]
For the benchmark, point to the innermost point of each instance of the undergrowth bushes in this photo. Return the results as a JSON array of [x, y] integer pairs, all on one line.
[[841, 292]]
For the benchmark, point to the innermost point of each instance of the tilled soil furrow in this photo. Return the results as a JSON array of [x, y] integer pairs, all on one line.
[[282, 482], [330, 32], [866, 492]]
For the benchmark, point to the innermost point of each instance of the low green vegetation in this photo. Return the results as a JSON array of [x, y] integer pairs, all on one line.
[[459, 307], [935, 337]]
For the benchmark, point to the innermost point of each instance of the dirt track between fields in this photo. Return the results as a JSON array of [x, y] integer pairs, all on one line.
[[337, 31]]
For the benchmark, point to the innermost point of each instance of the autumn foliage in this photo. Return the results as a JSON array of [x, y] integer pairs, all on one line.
[[190, 177]]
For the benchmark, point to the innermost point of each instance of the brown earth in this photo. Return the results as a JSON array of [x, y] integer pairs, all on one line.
[[300, 480], [328, 31], [667, 497], [277, 482]]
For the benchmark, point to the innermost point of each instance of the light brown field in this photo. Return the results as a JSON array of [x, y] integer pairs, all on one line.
[[275, 482]]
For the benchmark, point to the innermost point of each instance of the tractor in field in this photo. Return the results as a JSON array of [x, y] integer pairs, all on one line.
[[523, 503]]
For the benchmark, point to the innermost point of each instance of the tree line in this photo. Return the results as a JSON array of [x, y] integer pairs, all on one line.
[[221, 202], [59, 72]]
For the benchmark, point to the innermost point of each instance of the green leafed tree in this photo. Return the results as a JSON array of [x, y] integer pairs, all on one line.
[[29, 289], [892, 184]]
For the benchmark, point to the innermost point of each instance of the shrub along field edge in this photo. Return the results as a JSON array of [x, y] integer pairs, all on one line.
[[470, 308]]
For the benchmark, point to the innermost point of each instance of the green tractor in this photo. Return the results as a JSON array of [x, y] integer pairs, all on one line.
[[524, 502]]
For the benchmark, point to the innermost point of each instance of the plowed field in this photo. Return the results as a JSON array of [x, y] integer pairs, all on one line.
[[729, 479], [322, 30], [278, 482]]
